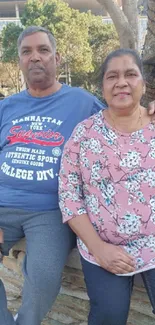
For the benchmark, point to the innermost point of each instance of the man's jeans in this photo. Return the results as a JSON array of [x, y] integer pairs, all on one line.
[[110, 294], [48, 243]]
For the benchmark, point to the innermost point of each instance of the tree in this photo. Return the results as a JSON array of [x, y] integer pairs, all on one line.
[[142, 7], [122, 20], [9, 38], [69, 26], [102, 38], [10, 76], [125, 20], [149, 54], [9, 66], [82, 38]]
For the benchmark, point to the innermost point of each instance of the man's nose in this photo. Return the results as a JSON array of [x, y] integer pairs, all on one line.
[[35, 56]]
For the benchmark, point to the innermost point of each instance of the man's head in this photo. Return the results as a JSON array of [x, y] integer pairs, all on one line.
[[37, 57]]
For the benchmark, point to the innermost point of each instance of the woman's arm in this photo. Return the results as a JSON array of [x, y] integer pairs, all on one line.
[[74, 211], [112, 258]]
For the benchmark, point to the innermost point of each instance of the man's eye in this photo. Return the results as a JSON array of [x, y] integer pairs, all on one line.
[[44, 50], [25, 51]]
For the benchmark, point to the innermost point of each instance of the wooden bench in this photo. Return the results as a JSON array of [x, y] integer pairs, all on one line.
[[72, 305]]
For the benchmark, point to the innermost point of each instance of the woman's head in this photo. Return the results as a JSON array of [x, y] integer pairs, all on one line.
[[122, 77]]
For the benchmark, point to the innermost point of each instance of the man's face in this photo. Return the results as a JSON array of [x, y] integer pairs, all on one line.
[[38, 61]]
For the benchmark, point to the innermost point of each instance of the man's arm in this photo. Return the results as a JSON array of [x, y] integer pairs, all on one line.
[[1, 236], [1, 241], [98, 105]]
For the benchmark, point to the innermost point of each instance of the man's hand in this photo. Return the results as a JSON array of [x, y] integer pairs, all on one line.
[[151, 108], [1, 241], [1, 236], [114, 259]]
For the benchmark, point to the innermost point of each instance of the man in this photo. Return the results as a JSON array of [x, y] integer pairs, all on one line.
[[34, 127], [35, 124]]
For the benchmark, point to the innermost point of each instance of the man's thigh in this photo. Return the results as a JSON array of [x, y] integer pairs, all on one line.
[[48, 243], [10, 223]]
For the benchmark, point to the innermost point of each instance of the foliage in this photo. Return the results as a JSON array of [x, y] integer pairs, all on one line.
[[142, 7], [103, 38], [82, 38], [69, 27], [10, 76], [9, 36]]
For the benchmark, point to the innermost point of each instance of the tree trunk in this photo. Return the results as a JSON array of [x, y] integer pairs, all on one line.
[[125, 31], [149, 54], [130, 9]]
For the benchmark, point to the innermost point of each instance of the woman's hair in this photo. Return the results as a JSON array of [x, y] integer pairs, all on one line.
[[119, 53]]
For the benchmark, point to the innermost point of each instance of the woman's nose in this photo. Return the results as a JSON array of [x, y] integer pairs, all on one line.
[[121, 82]]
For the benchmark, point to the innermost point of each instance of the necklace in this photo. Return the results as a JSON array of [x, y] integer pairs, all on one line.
[[139, 122]]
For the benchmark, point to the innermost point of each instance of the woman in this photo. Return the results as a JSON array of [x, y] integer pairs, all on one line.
[[107, 192]]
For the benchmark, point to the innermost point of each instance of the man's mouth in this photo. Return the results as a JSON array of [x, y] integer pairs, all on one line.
[[36, 68]]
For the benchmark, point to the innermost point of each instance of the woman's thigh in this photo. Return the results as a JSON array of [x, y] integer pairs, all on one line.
[[149, 282], [109, 295]]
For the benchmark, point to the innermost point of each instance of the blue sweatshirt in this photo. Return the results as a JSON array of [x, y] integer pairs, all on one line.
[[33, 133]]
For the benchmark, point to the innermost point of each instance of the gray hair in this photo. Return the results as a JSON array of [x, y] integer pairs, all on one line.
[[36, 29]]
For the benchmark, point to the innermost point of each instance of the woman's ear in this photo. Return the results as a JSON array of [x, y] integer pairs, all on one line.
[[144, 89], [102, 89]]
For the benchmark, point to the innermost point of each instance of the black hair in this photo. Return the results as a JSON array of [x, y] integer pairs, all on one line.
[[119, 53]]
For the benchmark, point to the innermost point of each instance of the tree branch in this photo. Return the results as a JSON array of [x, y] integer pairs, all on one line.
[[125, 31]]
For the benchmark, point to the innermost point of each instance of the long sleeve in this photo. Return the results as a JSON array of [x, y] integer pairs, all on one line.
[[70, 180]]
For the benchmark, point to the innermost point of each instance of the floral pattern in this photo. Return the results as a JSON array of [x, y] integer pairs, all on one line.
[[111, 176]]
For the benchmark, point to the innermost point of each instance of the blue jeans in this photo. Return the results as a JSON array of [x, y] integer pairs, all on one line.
[[48, 243], [110, 294]]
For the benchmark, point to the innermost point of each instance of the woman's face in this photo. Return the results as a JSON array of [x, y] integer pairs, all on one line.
[[123, 84]]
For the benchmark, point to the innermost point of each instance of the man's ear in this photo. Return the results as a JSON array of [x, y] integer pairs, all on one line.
[[58, 59], [19, 62]]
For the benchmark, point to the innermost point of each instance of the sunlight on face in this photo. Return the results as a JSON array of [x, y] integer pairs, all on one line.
[[37, 59], [123, 83]]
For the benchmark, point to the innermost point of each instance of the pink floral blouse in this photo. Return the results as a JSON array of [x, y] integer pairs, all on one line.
[[111, 176]]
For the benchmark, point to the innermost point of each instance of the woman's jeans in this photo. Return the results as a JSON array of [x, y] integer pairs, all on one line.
[[110, 294]]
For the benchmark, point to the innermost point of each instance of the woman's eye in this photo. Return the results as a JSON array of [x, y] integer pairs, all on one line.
[[131, 74], [111, 77]]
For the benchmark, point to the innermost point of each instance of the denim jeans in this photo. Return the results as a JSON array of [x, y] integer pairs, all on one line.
[[110, 294], [48, 243]]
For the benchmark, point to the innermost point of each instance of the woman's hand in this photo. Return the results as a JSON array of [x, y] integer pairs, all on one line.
[[114, 259]]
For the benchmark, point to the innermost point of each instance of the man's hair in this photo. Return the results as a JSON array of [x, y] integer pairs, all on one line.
[[36, 29]]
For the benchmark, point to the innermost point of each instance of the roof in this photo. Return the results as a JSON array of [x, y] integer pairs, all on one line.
[[7, 7]]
